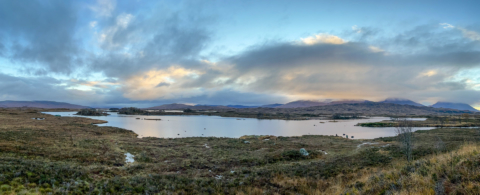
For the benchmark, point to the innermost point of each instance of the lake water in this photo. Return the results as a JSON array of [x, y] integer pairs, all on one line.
[[206, 126]]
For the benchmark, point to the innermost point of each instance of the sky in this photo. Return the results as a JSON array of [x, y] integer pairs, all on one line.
[[108, 53]]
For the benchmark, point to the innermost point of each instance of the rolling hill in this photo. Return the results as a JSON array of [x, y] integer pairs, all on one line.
[[302, 103], [372, 108], [458, 106], [270, 105], [176, 106], [401, 101], [39, 104]]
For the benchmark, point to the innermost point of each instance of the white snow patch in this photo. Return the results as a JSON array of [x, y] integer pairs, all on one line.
[[129, 158]]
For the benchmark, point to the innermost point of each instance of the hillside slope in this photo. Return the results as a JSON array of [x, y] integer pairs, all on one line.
[[401, 101], [366, 108], [39, 104], [176, 106], [302, 103], [458, 106]]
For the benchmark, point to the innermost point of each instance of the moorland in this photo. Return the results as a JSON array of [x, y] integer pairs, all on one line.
[[346, 110], [71, 155]]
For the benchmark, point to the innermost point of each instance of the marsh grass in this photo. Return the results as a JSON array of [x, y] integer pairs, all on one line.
[[69, 155], [448, 121]]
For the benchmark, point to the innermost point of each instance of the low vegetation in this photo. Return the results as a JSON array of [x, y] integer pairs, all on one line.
[[378, 124], [91, 112], [338, 111], [69, 155], [131, 111], [464, 120]]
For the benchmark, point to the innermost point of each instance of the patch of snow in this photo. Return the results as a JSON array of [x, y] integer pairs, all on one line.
[[129, 158]]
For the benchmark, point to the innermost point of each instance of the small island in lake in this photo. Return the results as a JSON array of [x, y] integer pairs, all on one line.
[[91, 112]]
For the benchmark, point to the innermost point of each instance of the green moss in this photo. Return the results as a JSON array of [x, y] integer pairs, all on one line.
[[32, 185], [5, 188]]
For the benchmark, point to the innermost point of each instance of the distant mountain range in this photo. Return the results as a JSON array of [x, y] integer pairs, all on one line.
[[302, 103], [401, 101], [184, 106], [39, 104], [310, 103], [206, 106], [458, 106], [242, 106], [375, 108], [294, 104], [271, 105]]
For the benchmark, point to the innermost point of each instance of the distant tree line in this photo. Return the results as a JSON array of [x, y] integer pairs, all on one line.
[[188, 110]]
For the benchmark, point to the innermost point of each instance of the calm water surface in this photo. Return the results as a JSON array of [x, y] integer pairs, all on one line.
[[205, 126]]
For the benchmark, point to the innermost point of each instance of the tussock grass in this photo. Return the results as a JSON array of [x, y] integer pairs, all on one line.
[[455, 172], [67, 155]]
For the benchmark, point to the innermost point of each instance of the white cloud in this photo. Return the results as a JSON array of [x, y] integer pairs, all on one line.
[[106, 36], [123, 20], [375, 49], [146, 86], [466, 33], [322, 38], [447, 25], [470, 34], [429, 73], [356, 29], [93, 24], [104, 7]]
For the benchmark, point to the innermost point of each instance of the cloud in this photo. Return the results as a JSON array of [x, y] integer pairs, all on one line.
[[446, 25], [470, 34], [429, 73], [146, 86], [93, 24], [41, 33], [115, 36], [475, 36], [41, 88], [375, 49], [322, 38], [162, 84], [104, 8], [131, 53], [355, 69], [135, 44]]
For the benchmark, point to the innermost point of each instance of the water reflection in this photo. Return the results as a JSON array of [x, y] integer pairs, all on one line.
[[205, 126]]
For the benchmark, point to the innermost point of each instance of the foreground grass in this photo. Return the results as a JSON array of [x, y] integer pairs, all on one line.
[[455, 172], [63, 155]]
